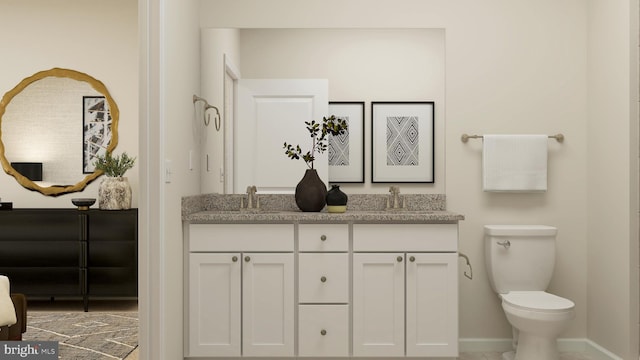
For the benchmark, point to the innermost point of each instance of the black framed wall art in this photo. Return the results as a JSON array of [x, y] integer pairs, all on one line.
[[402, 142], [346, 151]]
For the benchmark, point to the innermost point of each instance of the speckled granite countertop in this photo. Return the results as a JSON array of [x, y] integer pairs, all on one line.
[[217, 208]]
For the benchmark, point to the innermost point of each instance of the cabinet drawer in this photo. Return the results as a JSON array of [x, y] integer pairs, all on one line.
[[405, 237], [323, 330], [245, 237], [323, 237], [323, 278]]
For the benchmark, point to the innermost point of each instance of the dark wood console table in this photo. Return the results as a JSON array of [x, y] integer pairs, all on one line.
[[52, 253]]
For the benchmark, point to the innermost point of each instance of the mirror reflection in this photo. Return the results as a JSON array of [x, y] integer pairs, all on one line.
[[60, 119]]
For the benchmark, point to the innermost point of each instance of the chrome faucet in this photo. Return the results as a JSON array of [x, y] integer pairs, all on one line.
[[252, 197], [394, 201]]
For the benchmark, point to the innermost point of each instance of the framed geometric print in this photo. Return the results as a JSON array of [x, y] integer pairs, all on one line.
[[346, 151], [402, 142]]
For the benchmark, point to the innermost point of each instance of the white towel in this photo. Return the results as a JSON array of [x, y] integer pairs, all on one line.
[[514, 163], [7, 311]]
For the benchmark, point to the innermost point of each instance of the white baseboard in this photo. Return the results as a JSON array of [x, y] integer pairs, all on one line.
[[484, 345], [564, 345], [598, 352]]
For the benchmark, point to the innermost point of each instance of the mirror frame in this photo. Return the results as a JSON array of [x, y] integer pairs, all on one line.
[[61, 73]]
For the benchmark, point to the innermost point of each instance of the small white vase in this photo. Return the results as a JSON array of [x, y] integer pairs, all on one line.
[[114, 193]]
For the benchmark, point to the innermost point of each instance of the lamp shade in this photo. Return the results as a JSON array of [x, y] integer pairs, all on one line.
[[30, 170]]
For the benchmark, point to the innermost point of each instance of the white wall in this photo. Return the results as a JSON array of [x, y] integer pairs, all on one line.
[[216, 44], [180, 80], [95, 37], [169, 75], [511, 67], [613, 176]]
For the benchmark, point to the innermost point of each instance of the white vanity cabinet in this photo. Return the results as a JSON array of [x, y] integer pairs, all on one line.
[[321, 290], [241, 303], [405, 290]]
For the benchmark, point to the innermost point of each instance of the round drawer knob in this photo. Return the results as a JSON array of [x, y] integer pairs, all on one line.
[[323, 279], [323, 237], [323, 332], [412, 259], [399, 258], [247, 259], [234, 259]]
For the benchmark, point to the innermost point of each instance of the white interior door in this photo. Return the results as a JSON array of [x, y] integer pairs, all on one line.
[[231, 77], [271, 112]]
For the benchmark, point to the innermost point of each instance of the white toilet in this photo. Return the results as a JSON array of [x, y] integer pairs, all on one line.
[[520, 261]]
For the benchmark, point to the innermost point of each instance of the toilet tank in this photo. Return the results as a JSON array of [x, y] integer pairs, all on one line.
[[519, 257]]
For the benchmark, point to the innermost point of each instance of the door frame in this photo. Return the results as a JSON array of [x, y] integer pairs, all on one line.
[[232, 73]]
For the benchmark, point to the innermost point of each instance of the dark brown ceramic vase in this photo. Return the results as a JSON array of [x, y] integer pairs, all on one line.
[[311, 192]]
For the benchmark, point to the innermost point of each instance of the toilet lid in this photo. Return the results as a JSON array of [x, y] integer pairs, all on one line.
[[537, 300]]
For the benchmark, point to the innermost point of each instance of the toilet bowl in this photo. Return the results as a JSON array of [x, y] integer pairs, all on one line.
[[538, 318], [520, 260]]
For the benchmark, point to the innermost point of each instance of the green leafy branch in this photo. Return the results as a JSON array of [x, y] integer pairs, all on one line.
[[114, 166], [318, 132]]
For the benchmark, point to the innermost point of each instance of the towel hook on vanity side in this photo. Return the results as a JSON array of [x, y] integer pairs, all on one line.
[[469, 275], [207, 117]]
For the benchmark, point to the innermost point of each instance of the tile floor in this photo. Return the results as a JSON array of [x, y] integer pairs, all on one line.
[[132, 305], [463, 356], [498, 356]]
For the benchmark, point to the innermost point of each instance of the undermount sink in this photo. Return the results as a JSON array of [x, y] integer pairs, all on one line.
[[246, 211], [404, 211], [255, 211]]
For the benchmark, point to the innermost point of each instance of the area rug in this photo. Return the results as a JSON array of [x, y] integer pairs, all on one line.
[[85, 335]]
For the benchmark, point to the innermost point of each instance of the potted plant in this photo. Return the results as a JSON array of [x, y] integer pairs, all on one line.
[[311, 192], [114, 192]]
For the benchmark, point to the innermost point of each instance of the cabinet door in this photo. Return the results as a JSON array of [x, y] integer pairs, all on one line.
[[214, 304], [378, 304], [432, 304], [267, 304]]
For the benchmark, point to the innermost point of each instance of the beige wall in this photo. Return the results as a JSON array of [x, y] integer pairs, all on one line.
[[180, 74], [612, 130], [218, 48], [95, 37]]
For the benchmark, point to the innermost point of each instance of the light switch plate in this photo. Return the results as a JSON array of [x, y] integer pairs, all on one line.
[[167, 171]]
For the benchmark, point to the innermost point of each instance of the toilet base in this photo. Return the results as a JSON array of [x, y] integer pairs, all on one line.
[[532, 347], [509, 355]]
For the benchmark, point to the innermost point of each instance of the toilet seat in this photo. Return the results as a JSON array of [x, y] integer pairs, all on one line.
[[539, 301]]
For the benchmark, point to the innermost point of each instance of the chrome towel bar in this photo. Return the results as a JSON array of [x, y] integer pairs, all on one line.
[[466, 137]]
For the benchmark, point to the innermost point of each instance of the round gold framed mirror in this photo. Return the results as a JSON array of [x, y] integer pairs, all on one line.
[[56, 121]]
